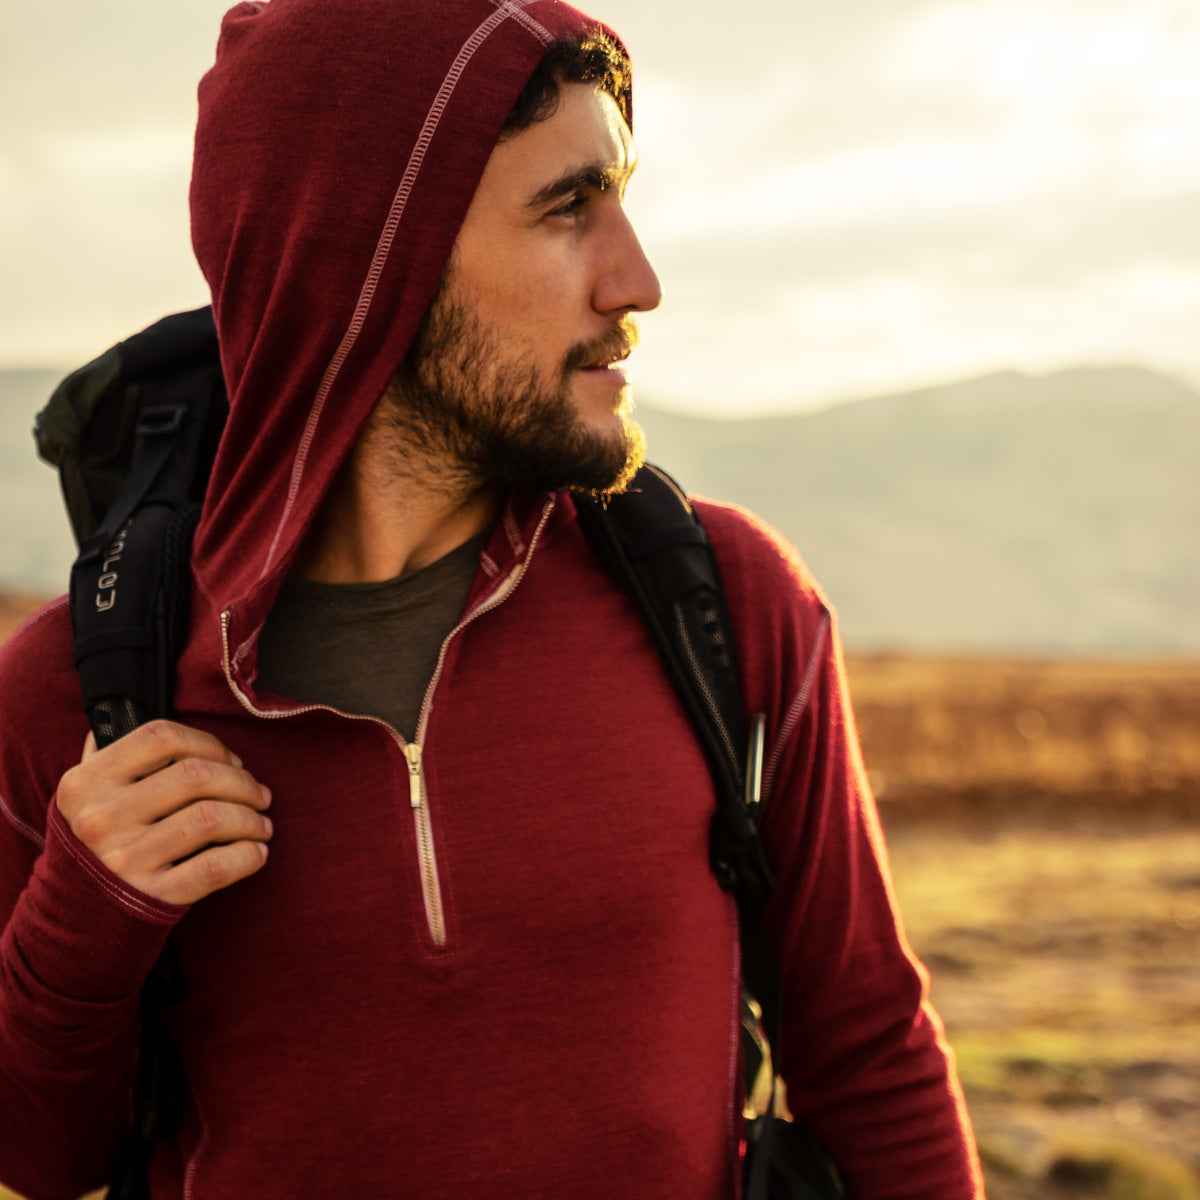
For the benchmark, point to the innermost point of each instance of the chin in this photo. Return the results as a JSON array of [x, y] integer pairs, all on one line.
[[623, 453], [612, 421]]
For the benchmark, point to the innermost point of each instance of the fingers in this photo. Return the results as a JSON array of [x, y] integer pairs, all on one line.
[[184, 833], [151, 747], [213, 869], [202, 847], [169, 809], [168, 766], [190, 780]]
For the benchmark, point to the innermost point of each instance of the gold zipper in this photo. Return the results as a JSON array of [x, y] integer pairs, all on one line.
[[431, 889], [501, 594]]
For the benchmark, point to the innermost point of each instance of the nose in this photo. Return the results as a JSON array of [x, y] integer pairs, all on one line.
[[626, 282]]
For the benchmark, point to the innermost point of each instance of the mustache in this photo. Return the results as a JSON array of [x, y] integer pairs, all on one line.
[[619, 342]]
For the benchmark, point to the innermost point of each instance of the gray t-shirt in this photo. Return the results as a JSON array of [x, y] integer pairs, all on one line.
[[366, 648]]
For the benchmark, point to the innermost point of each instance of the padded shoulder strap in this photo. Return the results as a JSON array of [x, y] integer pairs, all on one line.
[[652, 540], [151, 431], [650, 537]]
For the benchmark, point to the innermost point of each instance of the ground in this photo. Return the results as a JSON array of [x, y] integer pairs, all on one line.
[[1043, 820]]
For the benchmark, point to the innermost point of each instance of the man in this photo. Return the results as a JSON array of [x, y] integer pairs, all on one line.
[[476, 948]]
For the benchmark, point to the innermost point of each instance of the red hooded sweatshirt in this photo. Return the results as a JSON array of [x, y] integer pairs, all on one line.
[[494, 963]]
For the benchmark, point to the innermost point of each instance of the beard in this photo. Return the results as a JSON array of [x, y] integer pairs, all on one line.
[[458, 400]]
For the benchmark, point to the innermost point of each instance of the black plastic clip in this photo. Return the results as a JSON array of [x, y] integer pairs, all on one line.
[[735, 843]]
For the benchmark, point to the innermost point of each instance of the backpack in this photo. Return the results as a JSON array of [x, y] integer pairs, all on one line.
[[134, 433]]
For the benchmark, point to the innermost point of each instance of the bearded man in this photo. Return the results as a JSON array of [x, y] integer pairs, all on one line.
[[476, 948]]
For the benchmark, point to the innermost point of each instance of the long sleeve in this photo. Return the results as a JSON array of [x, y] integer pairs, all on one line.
[[866, 1065], [75, 948], [864, 1057]]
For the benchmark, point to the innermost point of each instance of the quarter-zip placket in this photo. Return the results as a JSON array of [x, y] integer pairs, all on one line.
[[431, 888], [414, 751]]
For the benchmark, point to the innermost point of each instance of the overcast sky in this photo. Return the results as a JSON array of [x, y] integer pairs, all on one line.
[[840, 198]]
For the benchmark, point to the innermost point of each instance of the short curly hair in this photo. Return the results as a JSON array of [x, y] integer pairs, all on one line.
[[595, 57]]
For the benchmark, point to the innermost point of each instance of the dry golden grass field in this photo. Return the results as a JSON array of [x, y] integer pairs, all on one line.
[[1044, 826]]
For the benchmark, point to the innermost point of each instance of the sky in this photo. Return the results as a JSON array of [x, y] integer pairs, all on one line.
[[841, 199]]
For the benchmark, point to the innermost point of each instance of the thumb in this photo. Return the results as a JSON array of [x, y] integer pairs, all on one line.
[[89, 746]]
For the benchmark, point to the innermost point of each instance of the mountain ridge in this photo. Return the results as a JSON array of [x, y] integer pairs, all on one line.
[[1005, 513]]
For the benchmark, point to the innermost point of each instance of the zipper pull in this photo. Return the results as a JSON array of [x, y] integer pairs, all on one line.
[[416, 791]]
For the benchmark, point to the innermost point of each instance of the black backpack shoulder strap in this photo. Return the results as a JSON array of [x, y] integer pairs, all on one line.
[[651, 539], [133, 435]]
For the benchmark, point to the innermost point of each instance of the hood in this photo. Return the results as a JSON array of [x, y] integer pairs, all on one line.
[[338, 148]]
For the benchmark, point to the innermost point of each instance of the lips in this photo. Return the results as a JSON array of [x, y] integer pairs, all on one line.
[[605, 364], [604, 353]]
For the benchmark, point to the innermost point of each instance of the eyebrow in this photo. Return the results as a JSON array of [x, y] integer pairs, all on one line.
[[593, 176]]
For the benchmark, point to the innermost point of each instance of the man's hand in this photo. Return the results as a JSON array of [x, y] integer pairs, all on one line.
[[169, 810]]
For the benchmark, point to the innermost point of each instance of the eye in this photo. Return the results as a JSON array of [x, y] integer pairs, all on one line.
[[570, 206]]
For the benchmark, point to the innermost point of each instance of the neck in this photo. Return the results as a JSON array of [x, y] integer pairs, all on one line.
[[393, 508]]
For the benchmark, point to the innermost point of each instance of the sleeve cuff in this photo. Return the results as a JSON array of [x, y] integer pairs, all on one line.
[[88, 934]]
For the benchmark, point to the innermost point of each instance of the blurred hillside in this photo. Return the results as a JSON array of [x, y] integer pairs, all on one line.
[[1007, 514], [36, 547]]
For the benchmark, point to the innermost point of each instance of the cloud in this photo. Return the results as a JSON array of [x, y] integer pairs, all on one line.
[[94, 237], [97, 107], [994, 184], [981, 106], [812, 344], [838, 198]]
